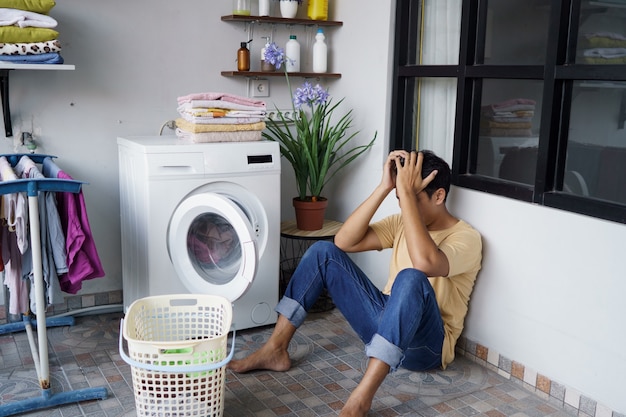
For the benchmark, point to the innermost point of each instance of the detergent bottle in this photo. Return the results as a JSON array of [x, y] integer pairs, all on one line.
[[318, 10], [292, 54], [320, 52]]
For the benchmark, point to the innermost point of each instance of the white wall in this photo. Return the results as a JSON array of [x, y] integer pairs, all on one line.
[[551, 284], [550, 295]]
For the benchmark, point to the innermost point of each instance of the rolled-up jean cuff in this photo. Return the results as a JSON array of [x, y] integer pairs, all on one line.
[[381, 348], [292, 311]]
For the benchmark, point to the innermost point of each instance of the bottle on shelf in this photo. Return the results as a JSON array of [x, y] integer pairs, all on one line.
[[266, 66], [241, 7], [243, 57], [292, 54], [264, 7], [320, 52], [318, 10]]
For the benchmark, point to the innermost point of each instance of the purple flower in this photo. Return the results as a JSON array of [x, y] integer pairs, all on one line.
[[309, 95], [274, 55]]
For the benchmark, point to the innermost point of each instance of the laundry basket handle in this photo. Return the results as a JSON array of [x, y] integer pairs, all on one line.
[[179, 368]]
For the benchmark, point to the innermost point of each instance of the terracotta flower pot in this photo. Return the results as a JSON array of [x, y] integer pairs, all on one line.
[[310, 214]]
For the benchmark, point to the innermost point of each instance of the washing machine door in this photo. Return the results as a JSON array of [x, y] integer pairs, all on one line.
[[211, 245]]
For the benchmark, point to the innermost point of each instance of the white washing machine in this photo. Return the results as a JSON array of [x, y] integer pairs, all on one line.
[[202, 218]]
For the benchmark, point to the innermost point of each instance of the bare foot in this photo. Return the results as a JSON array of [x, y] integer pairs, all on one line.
[[267, 358], [356, 406]]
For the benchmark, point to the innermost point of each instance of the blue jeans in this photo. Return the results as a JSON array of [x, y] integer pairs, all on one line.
[[402, 329]]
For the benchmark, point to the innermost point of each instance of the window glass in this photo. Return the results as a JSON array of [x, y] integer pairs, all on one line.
[[596, 150], [509, 129], [509, 38], [438, 34], [436, 102], [602, 32]]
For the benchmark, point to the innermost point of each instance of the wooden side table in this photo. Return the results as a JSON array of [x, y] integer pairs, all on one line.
[[293, 243]]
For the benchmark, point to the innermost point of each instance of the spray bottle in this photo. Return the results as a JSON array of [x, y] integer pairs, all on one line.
[[266, 66]]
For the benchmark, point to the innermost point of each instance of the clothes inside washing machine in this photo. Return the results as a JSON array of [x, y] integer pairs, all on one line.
[[214, 248]]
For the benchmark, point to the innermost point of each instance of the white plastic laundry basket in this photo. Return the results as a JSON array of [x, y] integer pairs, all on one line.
[[177, 348]]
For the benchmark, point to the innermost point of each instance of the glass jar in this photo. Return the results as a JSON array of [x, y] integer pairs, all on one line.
[[241, 7]]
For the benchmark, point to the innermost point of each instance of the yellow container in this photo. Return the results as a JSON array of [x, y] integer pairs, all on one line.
[[318, 10]]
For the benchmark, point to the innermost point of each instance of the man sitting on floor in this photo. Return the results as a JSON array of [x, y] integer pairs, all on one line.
[[416, 320]]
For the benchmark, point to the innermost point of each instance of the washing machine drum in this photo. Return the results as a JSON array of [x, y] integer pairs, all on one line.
[[211, 245]]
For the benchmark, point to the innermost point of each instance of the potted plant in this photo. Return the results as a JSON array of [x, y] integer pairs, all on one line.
[[316, 142]]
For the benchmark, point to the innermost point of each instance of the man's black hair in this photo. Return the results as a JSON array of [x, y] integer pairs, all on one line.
[[432, 162]]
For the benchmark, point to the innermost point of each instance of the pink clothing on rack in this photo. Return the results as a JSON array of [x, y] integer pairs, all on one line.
[[82, 256], [223, 97]]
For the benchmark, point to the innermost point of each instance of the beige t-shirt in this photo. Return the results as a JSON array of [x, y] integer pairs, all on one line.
[[462, 245]]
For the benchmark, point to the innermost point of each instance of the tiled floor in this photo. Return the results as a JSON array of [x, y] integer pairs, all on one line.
[[328, 362]]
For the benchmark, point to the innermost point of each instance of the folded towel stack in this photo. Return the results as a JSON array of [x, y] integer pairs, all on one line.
[[508, 118], [604, 48], [27, 34], [219, 117]]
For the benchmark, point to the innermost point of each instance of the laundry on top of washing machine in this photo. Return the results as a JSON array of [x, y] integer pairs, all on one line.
[[220, 117], [202, 218]]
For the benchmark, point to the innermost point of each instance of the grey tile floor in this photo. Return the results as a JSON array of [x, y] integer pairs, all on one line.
[[328, 362]]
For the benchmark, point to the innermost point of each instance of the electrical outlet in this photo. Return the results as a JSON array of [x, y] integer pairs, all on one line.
[[275, 115], [259, 88]]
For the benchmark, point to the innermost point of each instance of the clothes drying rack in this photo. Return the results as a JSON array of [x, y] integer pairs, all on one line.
[[32, 187]]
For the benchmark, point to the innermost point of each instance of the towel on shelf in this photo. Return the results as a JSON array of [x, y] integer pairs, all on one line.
[[47, 58], [509, 118], [14, 34], [32, 48], [24, 18], [605, 40], [37, 6]]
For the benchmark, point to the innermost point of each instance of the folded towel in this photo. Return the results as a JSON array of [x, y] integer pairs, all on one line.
[[606, 53], [200, 128], [221, 113], [222, 97], [211, 137], [221, 120], [37, 6], [33, 48], [24, 18], [216, 104], [14, 34], [47, 58]]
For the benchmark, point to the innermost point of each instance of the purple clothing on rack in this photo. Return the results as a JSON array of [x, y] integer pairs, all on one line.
[[82, 256]]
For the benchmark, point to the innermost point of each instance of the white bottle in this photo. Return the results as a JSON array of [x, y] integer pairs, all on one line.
[[292, 54], [264, 7], [320, 52]]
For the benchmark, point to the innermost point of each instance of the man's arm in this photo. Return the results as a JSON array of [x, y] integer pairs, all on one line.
[[355, 235]]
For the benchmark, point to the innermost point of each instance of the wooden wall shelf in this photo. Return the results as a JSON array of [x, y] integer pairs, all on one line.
[[281, 20], [261, 74]]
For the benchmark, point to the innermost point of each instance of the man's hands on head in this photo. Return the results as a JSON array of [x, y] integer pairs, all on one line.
[[403, 171]]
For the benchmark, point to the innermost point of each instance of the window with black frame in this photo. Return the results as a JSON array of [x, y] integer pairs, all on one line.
[[526, 98]]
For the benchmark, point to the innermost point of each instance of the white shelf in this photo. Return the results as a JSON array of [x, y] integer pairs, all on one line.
[[11, 65]]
